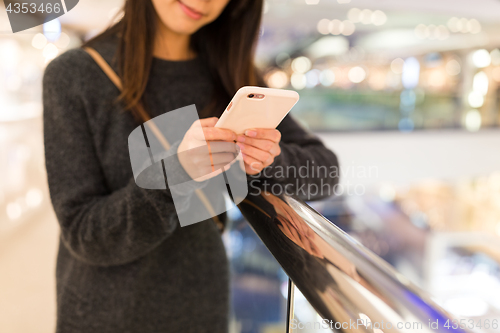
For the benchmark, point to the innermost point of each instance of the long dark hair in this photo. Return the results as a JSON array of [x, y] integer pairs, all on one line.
[[227, 45]]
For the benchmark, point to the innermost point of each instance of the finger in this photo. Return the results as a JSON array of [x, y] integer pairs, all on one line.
[[253, 163], [222, 146], [264, 133], [266, 145], [208, 122], [256, 153], [214, 134]]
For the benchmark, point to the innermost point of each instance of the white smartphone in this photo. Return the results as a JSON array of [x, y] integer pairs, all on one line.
[[256, 107]]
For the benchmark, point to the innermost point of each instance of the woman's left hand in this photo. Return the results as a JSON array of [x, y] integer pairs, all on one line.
[[259, 148]]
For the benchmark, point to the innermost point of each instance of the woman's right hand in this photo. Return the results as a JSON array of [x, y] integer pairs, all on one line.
[[205, 150]]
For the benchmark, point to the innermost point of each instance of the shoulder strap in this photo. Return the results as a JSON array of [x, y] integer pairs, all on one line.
[[106, 68]]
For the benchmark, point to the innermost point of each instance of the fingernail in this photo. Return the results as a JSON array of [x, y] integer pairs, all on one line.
[[251, 133], [241, 138], [241, 146]]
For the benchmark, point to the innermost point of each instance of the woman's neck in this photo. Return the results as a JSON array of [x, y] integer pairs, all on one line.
[[169, 45]]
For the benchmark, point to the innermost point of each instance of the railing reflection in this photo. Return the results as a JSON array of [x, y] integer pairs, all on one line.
[[349, 286]]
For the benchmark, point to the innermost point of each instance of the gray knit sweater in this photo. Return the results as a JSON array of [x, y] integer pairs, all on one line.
[[124, 263]]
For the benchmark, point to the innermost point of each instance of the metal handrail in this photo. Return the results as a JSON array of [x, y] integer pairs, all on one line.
[[352, 288]]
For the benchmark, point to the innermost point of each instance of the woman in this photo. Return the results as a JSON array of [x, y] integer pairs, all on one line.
[[124, 263]]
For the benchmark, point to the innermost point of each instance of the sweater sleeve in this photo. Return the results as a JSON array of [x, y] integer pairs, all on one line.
[[98, 226], [305, 167]]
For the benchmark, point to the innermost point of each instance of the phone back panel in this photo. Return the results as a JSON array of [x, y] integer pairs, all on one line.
[[244, 113]]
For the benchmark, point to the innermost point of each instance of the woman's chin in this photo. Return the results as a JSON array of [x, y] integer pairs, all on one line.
[[184, 27]]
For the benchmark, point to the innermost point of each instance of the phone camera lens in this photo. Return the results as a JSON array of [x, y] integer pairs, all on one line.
[[251, 96]]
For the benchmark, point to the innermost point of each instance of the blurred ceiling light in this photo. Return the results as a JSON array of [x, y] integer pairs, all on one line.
[[34, 197], [366, 16], [481, 58], [312, 78], [336, 27], [356, 74], [348, 28], [452, 24], [397, 66], [495, 57], [298, 81], [354, 14], [442, 32], [50, 51], [462, 25], [327, 46], [379, 17], [480, 83], [473, 26], [431, 32], [312, 2], [324, 26], [411, 73], [473, 120], [475, 99], [327, 77], [452, 67], [63, 41], [343, 1], [496, 74], [52, 30], [39, 41], [421, 31], [277, 79], [301, 64]]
